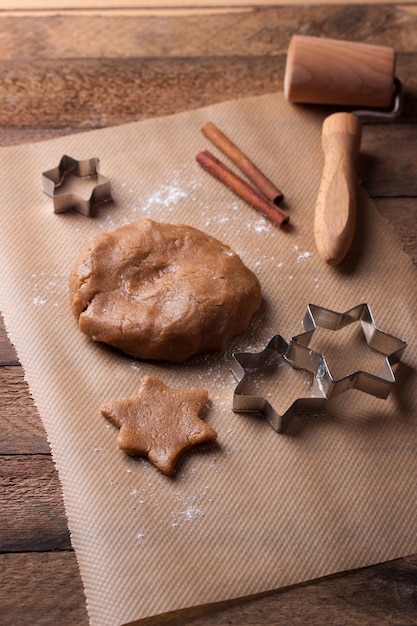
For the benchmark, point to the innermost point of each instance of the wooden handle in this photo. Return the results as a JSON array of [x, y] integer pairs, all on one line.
[[335, 216]]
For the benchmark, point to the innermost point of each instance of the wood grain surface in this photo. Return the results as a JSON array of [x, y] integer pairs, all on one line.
[[67, 72]]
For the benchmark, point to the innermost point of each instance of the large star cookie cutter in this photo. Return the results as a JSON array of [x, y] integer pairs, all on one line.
[[53, 180], [301, 355], [244, 363]]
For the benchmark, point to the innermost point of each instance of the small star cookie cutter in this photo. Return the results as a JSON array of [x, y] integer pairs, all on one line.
[[53, 179], [245, 362], [304, 357]]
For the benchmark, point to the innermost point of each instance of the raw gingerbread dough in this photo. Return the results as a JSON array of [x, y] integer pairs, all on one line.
[[162, 291], [160, 423]]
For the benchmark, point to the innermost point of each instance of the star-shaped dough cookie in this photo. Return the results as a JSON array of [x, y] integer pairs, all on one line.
[[160, 422]]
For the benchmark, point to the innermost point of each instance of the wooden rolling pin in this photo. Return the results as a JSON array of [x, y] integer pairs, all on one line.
[[336, 72]]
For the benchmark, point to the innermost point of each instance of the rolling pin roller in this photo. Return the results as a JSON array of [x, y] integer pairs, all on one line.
[[336, 72]]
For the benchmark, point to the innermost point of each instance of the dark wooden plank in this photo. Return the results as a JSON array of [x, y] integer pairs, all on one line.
[[41, 589], [387, 163], [401, 213], [33, 515], [95, 93], [20, 424], [8, 354], [92, 93]]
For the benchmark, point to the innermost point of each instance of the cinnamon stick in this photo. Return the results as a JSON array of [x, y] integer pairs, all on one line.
[[259, 179], [241, 188]]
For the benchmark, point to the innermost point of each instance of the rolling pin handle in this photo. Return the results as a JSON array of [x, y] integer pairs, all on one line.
[[335, 213]]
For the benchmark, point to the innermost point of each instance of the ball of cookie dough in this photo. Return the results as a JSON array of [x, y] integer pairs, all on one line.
[[162, 291]]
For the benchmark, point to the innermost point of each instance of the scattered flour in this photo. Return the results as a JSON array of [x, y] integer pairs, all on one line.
[[303, 256], [190, 507], [261, 226], [166, 196], [139, 494], [39, 301], [46, 288], [140, 538]]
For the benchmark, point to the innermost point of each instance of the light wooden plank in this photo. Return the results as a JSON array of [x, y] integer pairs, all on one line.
[[84, 35], [152, 5]]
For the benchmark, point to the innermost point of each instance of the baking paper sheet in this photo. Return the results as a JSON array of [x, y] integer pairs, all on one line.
[[257, 510]]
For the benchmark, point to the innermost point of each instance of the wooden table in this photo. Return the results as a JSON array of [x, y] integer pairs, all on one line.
[[72, 71]]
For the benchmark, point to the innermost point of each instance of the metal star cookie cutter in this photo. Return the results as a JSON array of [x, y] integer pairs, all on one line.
[[243, 362], [304, 357], [53, 179]]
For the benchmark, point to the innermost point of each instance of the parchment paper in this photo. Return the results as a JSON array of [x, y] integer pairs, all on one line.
[[258, 510]]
